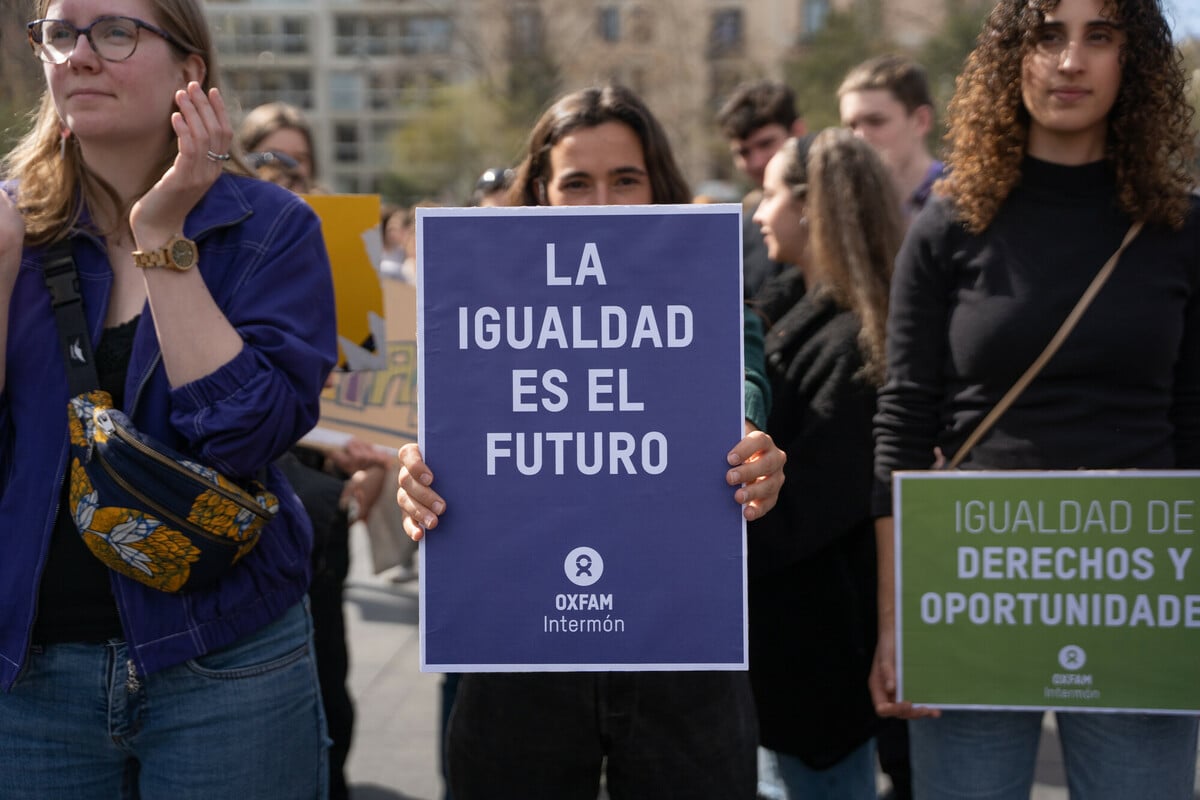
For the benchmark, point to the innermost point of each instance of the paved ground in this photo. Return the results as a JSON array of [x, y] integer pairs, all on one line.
[[394, 756]]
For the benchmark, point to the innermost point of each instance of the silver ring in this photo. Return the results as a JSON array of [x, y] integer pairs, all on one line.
[[218, 156]]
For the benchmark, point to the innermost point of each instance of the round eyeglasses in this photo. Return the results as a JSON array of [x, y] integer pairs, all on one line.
[[111, 38]]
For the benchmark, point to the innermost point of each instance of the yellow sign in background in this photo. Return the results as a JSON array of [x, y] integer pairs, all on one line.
[[348, 222], [376, 400]]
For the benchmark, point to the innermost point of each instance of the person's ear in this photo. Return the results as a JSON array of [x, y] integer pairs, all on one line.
[[799, 128], [194, 69], [923, 119]]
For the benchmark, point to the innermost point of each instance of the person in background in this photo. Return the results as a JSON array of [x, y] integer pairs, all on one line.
[[279, 145], [281, 128], [492, 187], [391, 231], [886, 101], [812, 559], [756, 119], [210, 305], [1068, 125], [280, 169], [407, 231], [652, 734]]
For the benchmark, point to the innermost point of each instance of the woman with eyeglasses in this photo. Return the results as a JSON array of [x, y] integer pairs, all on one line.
[[652, 734], [209, 304]]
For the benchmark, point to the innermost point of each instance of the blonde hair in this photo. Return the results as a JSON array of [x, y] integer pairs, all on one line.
[[856, 227], [268, 118], [52, 189]]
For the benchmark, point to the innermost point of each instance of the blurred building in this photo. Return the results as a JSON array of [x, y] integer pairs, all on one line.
[[360, 68], [357, 68]]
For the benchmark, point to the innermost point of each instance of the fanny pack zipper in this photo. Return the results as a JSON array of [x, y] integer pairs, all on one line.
[[110, 427]]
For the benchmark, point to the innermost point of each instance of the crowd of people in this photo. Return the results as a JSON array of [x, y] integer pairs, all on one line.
[[892, 299]]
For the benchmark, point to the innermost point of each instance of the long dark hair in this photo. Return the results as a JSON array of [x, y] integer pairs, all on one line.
[[588, 108]]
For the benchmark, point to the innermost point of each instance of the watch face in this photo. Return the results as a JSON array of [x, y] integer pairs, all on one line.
[[183, 253]]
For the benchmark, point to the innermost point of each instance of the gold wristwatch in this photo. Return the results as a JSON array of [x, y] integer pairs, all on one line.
[[179, 254]]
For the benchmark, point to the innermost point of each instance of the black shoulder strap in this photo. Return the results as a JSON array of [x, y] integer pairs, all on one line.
[[63, 283]]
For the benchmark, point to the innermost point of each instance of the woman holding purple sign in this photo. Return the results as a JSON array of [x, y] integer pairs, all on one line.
[[653, 734], [1069, 127]]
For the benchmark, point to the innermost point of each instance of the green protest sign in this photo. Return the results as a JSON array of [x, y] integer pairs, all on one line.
[[1049, 589]]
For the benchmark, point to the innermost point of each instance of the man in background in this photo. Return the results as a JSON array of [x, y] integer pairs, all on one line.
[[756, 119], [886, 101]]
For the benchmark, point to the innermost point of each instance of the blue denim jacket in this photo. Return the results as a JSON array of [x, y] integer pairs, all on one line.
[[264, 260]]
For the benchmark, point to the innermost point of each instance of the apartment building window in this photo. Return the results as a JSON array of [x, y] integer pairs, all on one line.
[[381, 94], [254, 87], [814, 14], [609, 23], [238, 35], [346, 91], [346, 38], [727, 35], [430, 34], [295, 35], [369, 36], [346, 147]]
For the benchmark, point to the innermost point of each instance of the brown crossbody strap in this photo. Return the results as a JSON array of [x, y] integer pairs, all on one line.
[[1063, 332]]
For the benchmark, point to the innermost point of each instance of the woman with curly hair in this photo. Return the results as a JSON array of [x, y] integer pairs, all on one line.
[[1069, 125], [830, 210]]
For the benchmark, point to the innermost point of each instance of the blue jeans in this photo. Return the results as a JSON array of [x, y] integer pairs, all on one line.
[[245, 721], [654, 734], [785, 777], [991, 755]]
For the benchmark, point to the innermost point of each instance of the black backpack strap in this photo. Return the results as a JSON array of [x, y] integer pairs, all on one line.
[[63, 283]]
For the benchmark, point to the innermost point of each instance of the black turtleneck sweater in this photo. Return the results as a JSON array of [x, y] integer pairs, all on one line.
[[969, 313]]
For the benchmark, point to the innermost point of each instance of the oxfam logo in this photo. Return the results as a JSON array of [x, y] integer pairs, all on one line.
[[583, 566], [1072, 657]]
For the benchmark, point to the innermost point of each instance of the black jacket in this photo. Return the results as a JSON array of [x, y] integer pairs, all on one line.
[[812, 559]]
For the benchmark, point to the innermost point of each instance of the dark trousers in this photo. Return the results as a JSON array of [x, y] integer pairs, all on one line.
[[654, 734], [333, 660], [892, 742], [321, 493]]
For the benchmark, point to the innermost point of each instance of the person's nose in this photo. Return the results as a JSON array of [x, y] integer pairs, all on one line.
[[83, 54], [1072, 58]]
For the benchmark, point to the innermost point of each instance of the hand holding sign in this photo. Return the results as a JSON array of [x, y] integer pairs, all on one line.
[[757, 462], [756, 469], [421, 504]]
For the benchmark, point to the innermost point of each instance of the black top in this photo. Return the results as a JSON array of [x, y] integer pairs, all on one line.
[[969, 313], [75, 601], [812, 559]]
